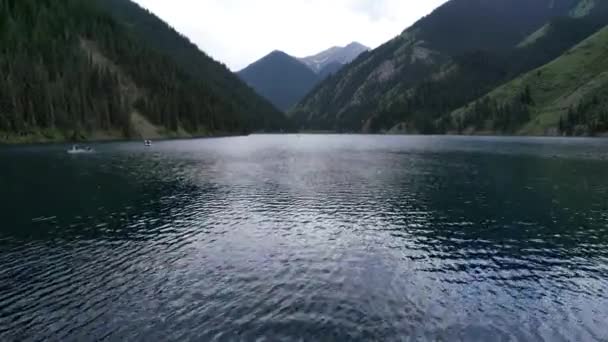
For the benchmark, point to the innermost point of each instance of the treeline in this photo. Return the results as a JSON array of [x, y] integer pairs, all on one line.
[[588, 118], [490, 114], [69, 67]]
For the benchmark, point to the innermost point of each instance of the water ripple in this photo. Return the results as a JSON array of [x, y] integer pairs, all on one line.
[[307, 238]]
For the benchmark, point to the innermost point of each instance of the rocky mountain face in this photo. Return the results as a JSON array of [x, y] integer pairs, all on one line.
[[333, 57]]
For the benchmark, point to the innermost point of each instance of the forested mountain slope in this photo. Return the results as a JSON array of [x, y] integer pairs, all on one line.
[[259, 113], [457, 54], [568, 96], [70, 70]]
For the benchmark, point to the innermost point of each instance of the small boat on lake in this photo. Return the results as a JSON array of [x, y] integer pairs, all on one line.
[[148, 143], [77, 149]]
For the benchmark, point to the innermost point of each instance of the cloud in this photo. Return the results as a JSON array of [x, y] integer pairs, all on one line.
[[238, 32], [375, 10]]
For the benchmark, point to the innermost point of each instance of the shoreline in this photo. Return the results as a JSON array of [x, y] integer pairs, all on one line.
[[107, 139], [451, 134], [34, 142]]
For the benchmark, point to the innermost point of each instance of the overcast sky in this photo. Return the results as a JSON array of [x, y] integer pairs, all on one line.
[[238, 32]]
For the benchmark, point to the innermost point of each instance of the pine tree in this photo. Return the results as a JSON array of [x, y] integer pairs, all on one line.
[[50, 78]]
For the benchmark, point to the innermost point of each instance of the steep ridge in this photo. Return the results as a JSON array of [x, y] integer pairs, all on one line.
[[557, 38], [280, 78], [258, 113], [567, 96], [442, 62], [70, 71], [334, 56]]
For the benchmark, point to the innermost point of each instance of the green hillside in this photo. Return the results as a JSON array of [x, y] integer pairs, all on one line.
[[71, 71], [565, 96]]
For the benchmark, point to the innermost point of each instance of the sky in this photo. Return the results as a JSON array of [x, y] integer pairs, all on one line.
[[239, 32]]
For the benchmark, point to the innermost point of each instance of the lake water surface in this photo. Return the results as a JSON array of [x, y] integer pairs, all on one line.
[[306, 238]]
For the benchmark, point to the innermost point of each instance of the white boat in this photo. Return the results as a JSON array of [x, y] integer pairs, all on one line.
[[148, 143], [76, 149]]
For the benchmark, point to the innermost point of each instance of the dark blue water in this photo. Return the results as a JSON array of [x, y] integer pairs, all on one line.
[[306, 238]]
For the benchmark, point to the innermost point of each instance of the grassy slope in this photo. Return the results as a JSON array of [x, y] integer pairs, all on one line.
[[559, 84]]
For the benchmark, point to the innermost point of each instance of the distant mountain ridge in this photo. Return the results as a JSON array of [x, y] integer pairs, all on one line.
[[280, 78], [334, 55], [284, 80]]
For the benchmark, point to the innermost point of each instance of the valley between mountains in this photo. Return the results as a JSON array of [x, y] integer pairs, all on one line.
[[90, 69]]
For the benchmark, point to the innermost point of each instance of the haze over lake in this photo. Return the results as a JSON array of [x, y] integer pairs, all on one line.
[[306, 237]]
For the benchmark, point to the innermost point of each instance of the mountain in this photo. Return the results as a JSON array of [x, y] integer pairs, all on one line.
[[259, 114], [280, 78], [284, 80], [568, 96], [74, 70], [563, 97], [457, 54], [334, 57], [330, 69]]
